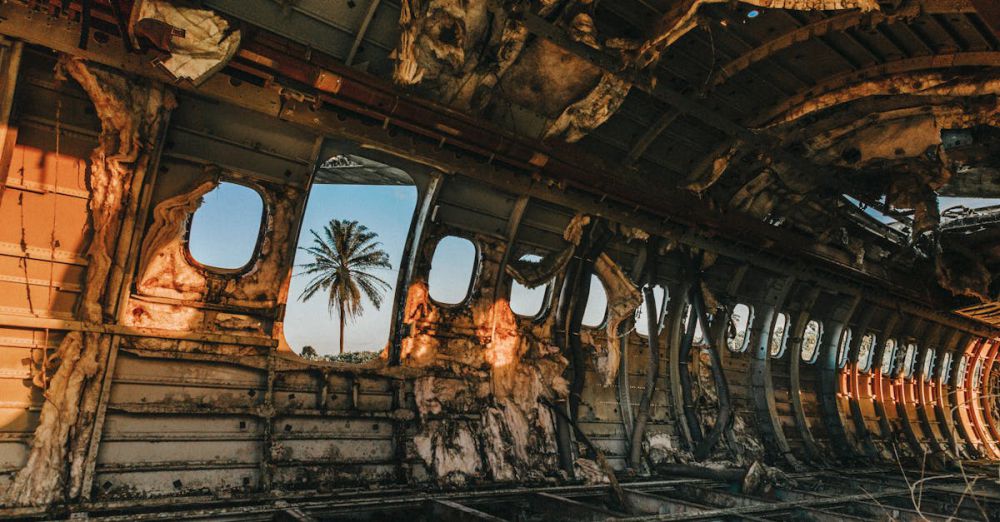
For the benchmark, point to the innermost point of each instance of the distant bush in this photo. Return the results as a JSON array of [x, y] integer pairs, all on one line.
[[351, 357]]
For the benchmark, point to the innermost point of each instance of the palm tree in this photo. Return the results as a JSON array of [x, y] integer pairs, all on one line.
[[342, 261]]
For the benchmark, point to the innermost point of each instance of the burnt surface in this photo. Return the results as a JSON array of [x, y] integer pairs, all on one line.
[[723, 151]]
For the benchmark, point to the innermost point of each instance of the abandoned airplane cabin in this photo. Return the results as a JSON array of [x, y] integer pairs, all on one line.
[[652, 260]]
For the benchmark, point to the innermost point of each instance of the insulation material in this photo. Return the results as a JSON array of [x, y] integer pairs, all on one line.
[[188, 318], [718, 167], [450, 448], [756, 197], [743, 446], [547, 79], [166, 269], [163, 250], [172, 345], [532, 274], [590, 472], [131, 115], [458, 49], [683, 17], [624, 298], [196, 42], [486, 373], [574, 230], [43, 477], [421, 315], [918, 84], [762, 480], [585, 115], [889, 134], [963, 274], [661, 448], [903, 138], [463, 50]]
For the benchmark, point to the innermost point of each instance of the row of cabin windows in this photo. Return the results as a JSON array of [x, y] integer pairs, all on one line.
[[453, 288], [452, 285], [737, 340], [212, 222]]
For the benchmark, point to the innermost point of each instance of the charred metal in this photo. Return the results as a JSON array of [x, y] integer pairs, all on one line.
[[790, 207]]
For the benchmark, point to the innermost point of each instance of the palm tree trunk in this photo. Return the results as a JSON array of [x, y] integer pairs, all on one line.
[[341, 328]]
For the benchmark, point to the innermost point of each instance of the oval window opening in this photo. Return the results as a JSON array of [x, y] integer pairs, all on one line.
[[928, 369], [843, 350], [963, 367], [452, 268], [641, 323], [738, 331], [945, 372], [810, 341], [779, 336], [889, 357], [597, 304], [699, 335], [524, 301], [865, 351], [225, 228], [909, 358]]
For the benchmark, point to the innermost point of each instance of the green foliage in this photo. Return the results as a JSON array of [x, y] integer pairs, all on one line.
[[352, 357], [343, 260]]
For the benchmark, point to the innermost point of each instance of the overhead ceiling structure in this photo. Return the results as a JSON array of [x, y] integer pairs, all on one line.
[[813, 185], [773, 109]]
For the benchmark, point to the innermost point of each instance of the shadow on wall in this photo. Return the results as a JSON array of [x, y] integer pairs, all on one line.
[[43, 197]]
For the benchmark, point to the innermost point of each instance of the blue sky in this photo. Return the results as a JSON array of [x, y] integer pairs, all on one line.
[[387, 211], [944, 203], [217, 239]]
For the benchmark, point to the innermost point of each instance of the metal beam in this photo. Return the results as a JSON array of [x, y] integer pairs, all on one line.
[[648, 137], [834, 327], [651, 503], [836, 23], [372, 8], [989, 12], [451, 511], [558, 508], [902, 66], [18, 321], [855, 377]]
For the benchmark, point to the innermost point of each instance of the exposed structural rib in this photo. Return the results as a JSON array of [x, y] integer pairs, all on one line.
[[722, 421], [762, 385], [836, 23], [852, 84], [653, 368]]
